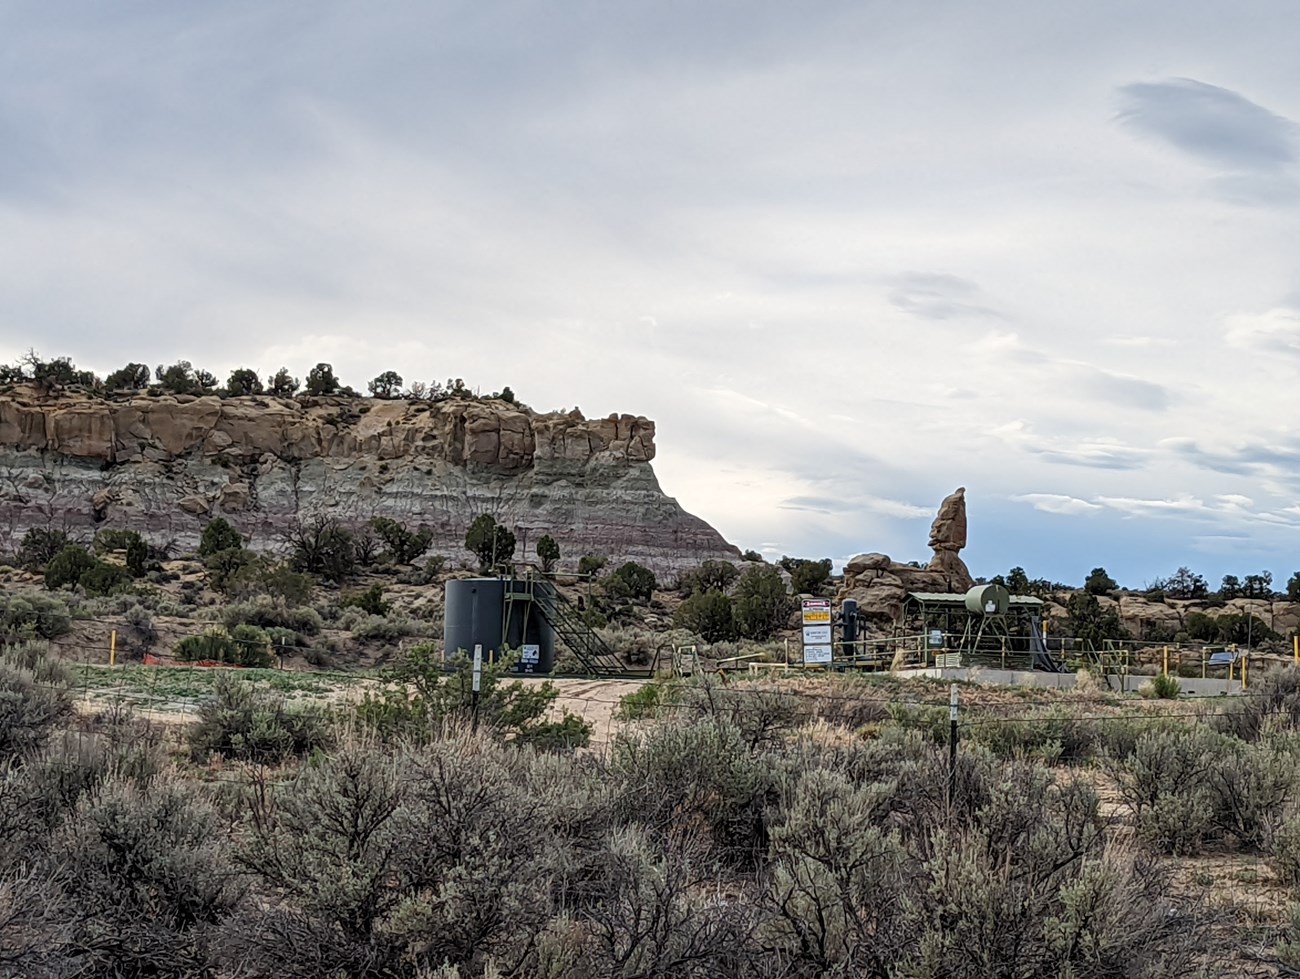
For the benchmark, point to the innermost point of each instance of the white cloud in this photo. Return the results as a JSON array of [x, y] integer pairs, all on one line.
[[1274, 332], [828, 291], [1056, 503]]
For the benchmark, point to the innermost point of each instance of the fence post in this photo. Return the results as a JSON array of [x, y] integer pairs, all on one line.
[[1166, 666], [952, 744], [112, 648]]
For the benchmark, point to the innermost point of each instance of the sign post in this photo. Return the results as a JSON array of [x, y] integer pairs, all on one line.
[[815, 619], [477, 682]]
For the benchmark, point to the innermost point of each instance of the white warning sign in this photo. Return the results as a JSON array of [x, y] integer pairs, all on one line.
[[816, 635], [815, 618], [817, 654]]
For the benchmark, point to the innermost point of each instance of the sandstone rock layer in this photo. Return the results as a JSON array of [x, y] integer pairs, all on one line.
[[166, 465]]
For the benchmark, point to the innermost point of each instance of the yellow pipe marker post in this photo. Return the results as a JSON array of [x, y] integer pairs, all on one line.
[[1295, 648], [1166, 668], [112, 648], [1245, 664]]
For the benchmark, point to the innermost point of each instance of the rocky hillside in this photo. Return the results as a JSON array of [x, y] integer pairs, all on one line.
[[164, 465]]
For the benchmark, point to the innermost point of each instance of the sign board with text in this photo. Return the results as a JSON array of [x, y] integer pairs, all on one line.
[[815, 619]]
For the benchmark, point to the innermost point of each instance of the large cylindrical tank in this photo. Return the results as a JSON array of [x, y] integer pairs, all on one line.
[[476, 613], [988, 600], [472, 615]]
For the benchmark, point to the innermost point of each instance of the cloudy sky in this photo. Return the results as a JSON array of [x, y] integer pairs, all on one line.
[[847, 255]]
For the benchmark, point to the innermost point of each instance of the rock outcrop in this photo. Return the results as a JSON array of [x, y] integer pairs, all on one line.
[[881, 585], [947, 538], [165, 465]]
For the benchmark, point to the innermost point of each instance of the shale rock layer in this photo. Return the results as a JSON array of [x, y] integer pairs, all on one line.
[[166, 465]]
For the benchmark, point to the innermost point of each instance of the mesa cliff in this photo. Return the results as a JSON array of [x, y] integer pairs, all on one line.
[[165, 465]]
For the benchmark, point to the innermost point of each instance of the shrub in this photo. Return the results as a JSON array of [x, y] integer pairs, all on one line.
[[709, 614], [643, 702], [692, 773], [631, 582], [1273, 703], [215, 645], [1200, 627], [252, 647], [182, 378], [1089, 621], [839, 880], [1283, 848], [1253, 786], [549, 552], [243, 381], [33, 616], [490, 542], [404, 545], [34, 698], [67, 567], [281, 582], [144, 873], [323, 546], [709, 576], [141, 623], [371, 600], [232, 571], [39, 547], [102, 578], [358, 900], [321, 380], [266, 612], [807, 577], [137, 557], [762, 605], [132, 377], [108, 540], [1164, 686], [219, 536], [590, 565], [1051, 735], [1099, 582], [244, 723], [1164, 783], [282, 384], [388, 629], [420, 699], [281, 638]]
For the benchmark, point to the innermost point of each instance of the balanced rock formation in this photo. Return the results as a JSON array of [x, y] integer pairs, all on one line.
[[166, 465], [881, 586], [948, 537]]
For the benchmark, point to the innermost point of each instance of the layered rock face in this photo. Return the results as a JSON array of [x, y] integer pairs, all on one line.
[[166, 465]]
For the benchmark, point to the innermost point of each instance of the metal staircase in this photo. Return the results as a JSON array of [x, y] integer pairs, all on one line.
[[593, 653]]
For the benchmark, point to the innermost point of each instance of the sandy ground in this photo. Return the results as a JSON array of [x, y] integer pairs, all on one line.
[[595, 701]]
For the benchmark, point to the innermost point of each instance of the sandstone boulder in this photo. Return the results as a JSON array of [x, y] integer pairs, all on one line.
[[873, 561]]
